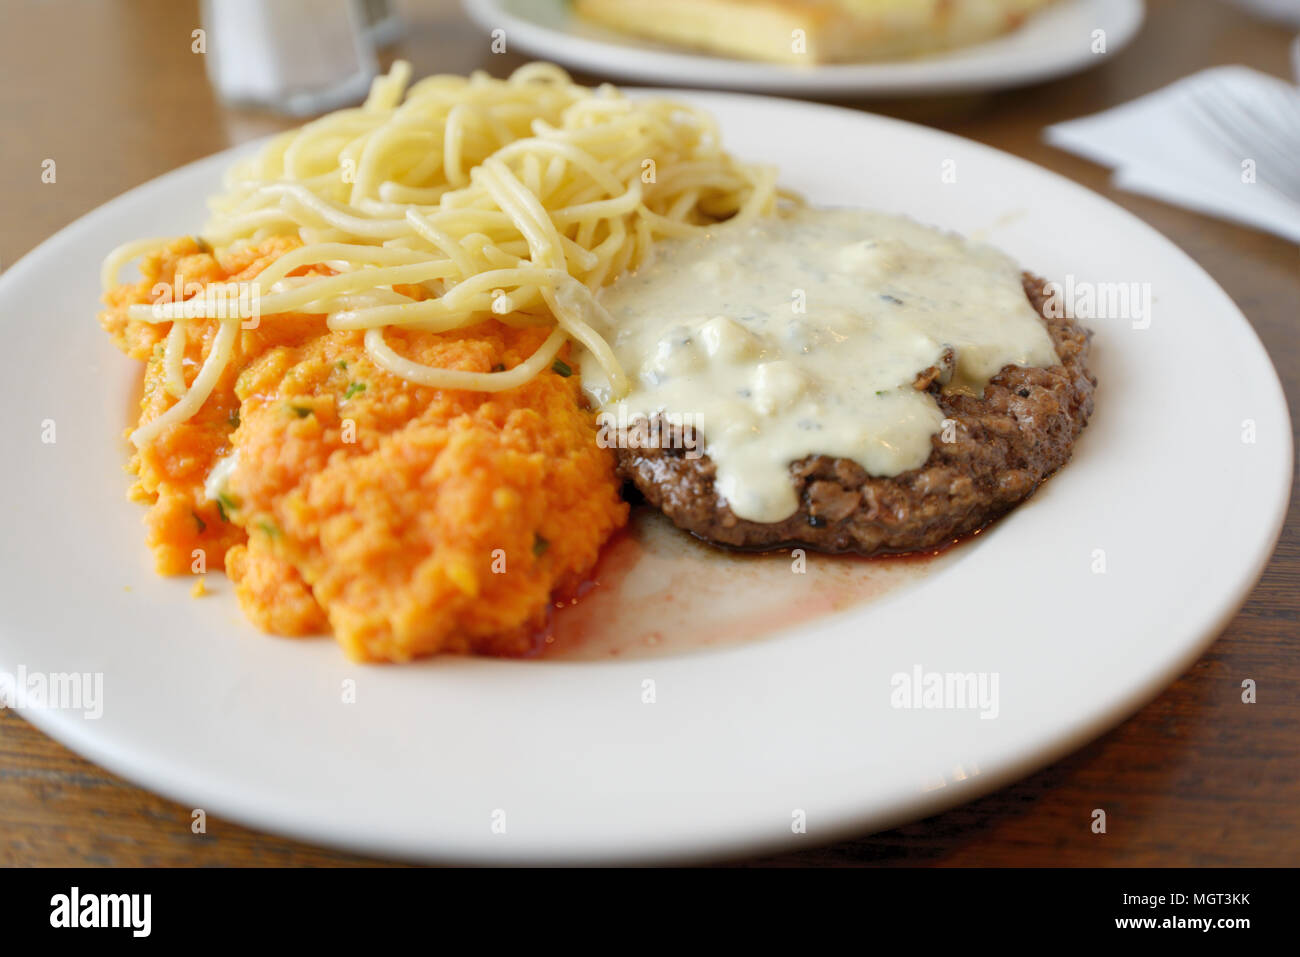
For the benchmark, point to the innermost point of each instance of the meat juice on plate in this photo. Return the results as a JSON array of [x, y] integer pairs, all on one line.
[[657, 591]]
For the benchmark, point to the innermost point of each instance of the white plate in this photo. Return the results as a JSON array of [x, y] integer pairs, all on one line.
[[200, 707], [1056, 42]]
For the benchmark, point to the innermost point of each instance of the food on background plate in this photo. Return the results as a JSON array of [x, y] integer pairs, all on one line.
[[378, 387], [813, 31]]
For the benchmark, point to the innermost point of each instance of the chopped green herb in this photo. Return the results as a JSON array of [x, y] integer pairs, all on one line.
[[233, 418], [226, 504], [881, 391], [540, 545], [342, 364], [203, 526], [561, 368], [202, 244], [301, 411], [499, 367], [269, 528], [353, 389]]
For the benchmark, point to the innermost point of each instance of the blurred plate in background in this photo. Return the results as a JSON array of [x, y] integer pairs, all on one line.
[[1056, 42]]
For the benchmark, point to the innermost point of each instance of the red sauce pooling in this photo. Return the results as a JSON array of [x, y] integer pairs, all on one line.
[[658, 591]]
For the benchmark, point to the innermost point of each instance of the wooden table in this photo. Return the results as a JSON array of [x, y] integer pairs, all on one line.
[[115, 95]]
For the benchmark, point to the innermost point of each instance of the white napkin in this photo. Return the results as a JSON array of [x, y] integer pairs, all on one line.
[[1159, 146]]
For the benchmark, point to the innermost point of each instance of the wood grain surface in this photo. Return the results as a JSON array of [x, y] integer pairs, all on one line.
[[1196, 777]]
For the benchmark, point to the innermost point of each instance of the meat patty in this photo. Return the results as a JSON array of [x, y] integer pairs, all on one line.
[[1002, 446]]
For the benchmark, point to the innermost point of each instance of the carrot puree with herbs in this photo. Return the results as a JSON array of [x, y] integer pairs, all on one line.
[[407, 520]]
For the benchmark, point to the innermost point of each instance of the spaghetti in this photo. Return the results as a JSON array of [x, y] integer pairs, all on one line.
[[515, 199]]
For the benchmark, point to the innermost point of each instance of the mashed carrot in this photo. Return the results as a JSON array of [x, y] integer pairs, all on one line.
[[408, 520]]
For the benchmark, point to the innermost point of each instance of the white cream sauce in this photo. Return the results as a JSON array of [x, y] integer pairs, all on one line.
[[802, 334]]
